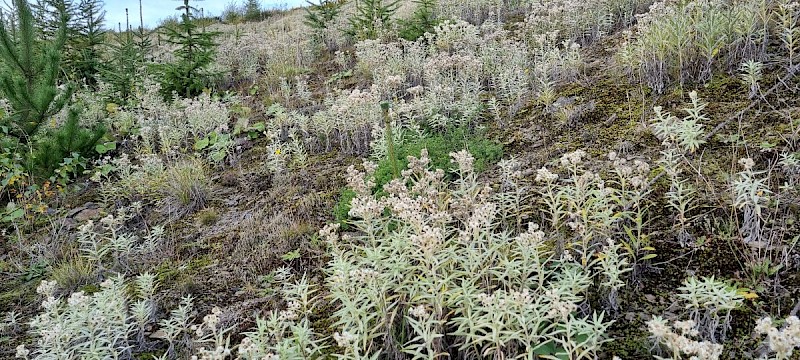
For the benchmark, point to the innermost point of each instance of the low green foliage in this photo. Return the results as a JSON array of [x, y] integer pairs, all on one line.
[[342, 208], [439, 146], [60, 144], [423, 20]]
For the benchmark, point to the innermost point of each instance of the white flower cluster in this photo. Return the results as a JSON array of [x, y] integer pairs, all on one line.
[[345, 339], [291, 312], [429, 240], [419, 312], [633, 172], [533, 238], [560, 308], [747, 163], [783, 341], [681, 342], [249, 349], [502, 299], [464, 160], [573, 158], [544, 175], [219, 353]]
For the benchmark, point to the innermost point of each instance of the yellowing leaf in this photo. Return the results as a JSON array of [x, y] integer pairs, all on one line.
[[748, 295]]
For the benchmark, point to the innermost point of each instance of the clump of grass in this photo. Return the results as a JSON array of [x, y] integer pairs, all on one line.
[[208, 217], [73, 274], [189, 186]]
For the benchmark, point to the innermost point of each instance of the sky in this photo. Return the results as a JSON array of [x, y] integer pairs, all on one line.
[[155, 10]]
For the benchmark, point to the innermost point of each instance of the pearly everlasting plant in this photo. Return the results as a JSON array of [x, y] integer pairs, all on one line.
[[583, 210], [429, 274], [685, 134], [781, 341], [679, 339], [286, 333], [709, 303], [681, 41], [88, 326]]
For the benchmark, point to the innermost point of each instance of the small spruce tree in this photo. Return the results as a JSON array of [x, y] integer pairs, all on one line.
[[123, 72], [59, 143], [320, 14], [48, 13], [88, 41], [188, 75], [252, 10], [423, 20], [371, 17], [142, 38], [29, 81]]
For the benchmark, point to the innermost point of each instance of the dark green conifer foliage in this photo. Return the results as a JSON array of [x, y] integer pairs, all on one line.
[[122, 72], [30, 71], [371, 17], [87, 42], [423, 20], [188, 75], [62, 142], [142, 38], [129, 52], [47, 14], [320, 14], [252, 10]]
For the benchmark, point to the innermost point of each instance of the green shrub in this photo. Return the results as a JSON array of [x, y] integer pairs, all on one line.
[[29, 72]]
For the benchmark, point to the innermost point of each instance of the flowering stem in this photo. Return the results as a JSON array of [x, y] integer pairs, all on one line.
[[390, 139]]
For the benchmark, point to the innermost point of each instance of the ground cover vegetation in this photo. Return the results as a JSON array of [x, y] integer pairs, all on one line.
[[383, 179]]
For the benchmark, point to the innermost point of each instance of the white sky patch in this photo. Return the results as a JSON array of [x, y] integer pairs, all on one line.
[[153, 11]]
